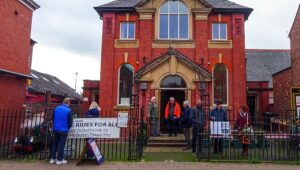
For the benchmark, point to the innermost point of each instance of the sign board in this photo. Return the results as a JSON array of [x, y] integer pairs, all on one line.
[[297, 100], [122, 119], [298, 112], [93, 146], [94, 128], [85, 99], [220, 129]]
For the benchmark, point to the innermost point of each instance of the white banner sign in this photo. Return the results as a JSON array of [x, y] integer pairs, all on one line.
[[220, 129], [94, 128]]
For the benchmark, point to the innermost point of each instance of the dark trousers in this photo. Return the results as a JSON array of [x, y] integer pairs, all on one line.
[[58, 145], [187, 135], [173, 127], [218, 145], [197, 138], [154, 131]]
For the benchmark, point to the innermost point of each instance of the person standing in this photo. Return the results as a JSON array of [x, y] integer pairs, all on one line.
[[244, 129], [198, 119], [94, 112], [220, 115], [172, 114], [153, 114], [186, 123], [62, 122]]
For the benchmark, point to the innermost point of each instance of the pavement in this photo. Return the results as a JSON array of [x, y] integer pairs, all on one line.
[[42, 165]]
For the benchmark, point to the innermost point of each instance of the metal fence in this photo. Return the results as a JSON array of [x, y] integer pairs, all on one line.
[[28, 136], [270, 138]]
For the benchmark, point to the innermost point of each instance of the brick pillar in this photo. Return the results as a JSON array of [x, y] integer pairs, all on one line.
[[146, 34], [201, 35], [238, 62], [107, 61]]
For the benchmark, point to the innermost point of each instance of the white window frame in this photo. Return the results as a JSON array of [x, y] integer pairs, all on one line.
[[213, 86], [178, 14], [127, 34], [219, 37], [118, 90]]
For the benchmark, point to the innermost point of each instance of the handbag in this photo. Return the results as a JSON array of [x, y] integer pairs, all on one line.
[[247, 129]]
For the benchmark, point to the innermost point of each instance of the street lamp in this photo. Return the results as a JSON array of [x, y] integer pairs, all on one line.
[[76, 81]]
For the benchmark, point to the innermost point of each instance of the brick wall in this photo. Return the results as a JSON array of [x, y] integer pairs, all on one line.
[[15, 32], [15, 51], [295, 51], [234, 58], [281, 89], [12, 92]]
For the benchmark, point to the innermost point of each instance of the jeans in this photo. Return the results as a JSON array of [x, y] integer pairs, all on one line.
[[173, 127], [197, 138], [58, 145], [187, 135], [154, 131]]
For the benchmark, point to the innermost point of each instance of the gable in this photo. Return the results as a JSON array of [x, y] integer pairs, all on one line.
[[296, 23], [218, 6]]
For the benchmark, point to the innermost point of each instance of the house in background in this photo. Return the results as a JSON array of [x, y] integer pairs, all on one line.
[[46, 89], [295, 68], [262, 66], [15, 51]]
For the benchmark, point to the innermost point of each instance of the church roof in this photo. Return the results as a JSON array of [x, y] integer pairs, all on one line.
[[262, 64], [216, 5], [166, 56]]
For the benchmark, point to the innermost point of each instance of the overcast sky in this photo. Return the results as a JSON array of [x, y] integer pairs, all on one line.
[[68, 33]]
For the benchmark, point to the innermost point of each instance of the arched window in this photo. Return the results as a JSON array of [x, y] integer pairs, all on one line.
[[125, 84], [173, 19], [173, 82], [220, 74]]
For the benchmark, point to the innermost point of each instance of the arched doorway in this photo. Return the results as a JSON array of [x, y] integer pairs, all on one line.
[[171, 86]]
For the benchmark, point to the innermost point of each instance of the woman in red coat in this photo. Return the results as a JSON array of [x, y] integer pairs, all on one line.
[[244, 129]]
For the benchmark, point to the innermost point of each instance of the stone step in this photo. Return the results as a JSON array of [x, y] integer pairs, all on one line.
[[173, 144], [165, 149]]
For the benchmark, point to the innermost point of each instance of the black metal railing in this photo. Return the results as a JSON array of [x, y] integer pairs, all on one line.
[[28, 136], [272, 138]]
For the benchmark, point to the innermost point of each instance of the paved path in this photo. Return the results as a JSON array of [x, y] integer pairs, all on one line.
[[40, 165]]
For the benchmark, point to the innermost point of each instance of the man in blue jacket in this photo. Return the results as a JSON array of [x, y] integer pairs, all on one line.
[[62, 122], [220, 115]]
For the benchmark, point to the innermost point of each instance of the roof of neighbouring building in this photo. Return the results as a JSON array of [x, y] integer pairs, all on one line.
[[216, 5], [45, 82], [262, 64], [30, 4]]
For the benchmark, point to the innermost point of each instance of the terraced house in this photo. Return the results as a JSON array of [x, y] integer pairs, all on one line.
[[174, 48]]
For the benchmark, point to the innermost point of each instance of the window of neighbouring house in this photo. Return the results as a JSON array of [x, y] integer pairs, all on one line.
[[125, 84], [219, 31], [271, 97], [220, 83], [173, 20], [127, 30]]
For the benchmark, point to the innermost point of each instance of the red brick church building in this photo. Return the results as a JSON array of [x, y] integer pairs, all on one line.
[[171, 47]]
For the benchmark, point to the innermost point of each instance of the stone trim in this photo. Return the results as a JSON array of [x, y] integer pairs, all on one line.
[[118, 107], [219, 43], [201, 13], [156, 43], [146, 13], [126, 43]]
